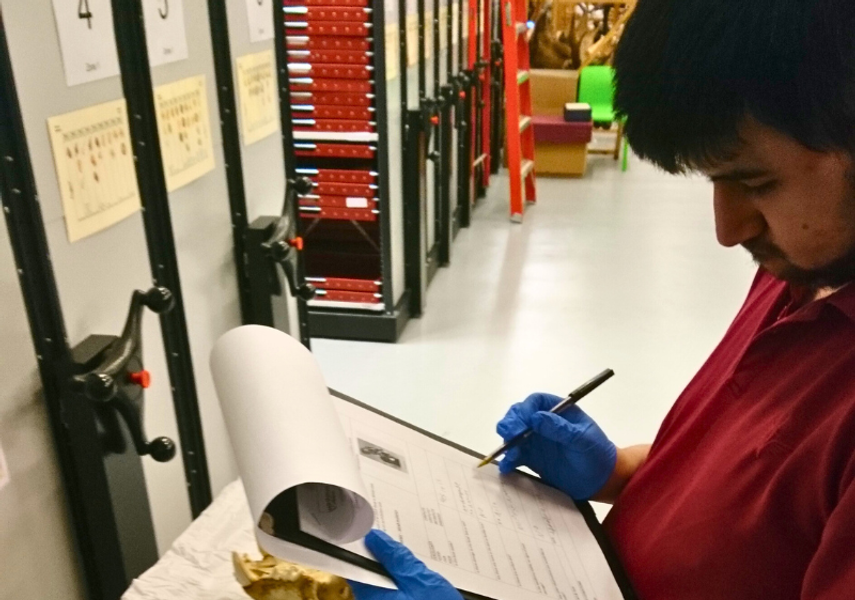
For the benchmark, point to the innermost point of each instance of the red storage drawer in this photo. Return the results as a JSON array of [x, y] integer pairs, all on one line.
[[309, 149], [333, 125], [350, 285], [325, 3], [338, 175], [350, 86], [339, 214], [316, 57], [345, 189], [308, 111], [350, 44], [345, 296], [336, 28], [330, 71], [331, 99], [327, 13], [338, 201]]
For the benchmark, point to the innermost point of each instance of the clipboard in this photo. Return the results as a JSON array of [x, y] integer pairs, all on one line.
[[320, 469], [287, 522]]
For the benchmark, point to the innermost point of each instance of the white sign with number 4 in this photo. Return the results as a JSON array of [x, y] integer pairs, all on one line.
[[260, 16], [87, 39], [165, 34]]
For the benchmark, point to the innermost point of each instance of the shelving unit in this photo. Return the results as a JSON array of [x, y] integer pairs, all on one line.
[[345, 136]]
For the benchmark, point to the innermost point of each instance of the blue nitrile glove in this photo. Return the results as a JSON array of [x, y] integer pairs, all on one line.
[[415, 581], [569, 451]]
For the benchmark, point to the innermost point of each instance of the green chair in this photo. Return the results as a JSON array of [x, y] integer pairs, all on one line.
[[596, 87]]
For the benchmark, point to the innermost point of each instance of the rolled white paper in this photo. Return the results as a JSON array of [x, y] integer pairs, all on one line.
[[286, 434]]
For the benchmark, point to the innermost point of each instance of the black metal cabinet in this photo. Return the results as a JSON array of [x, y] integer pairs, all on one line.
[[344, 132]]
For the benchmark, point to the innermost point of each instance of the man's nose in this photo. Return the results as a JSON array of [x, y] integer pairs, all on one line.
[[736, 219]]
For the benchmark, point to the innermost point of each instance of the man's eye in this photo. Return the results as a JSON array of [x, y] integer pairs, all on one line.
[[759, 190]]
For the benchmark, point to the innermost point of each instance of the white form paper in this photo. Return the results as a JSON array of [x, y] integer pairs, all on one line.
[[260, 18], [87, 40], [496, 536], [165, 34]]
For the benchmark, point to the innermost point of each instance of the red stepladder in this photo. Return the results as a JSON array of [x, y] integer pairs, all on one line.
[[520, 133]]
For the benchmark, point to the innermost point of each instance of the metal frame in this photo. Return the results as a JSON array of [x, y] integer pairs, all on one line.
[[280, 52], [221, 48], [138, 91]]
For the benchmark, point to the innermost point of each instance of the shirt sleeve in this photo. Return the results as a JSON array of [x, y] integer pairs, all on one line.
[[831, 572]]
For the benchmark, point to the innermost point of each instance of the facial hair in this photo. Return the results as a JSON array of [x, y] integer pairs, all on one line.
[[834, 275]]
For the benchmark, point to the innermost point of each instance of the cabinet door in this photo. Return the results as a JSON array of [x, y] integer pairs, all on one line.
[[202, 226], [252, 58], [95, 275]]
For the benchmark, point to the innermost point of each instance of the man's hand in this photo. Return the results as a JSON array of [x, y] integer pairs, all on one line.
[[415, 581], [569, 451]]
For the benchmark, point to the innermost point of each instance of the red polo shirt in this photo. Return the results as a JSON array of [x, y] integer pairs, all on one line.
[[749, 489]]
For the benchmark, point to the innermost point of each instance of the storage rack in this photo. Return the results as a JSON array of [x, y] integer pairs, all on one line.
[[345, 136]]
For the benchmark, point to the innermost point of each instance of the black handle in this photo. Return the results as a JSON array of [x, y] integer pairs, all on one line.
[[281, 247], [105, 383]]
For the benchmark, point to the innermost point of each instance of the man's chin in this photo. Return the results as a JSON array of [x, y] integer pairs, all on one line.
[[777, 267]]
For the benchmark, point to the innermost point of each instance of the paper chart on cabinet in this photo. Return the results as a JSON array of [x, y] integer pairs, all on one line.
[[94, 163], [501, 537]]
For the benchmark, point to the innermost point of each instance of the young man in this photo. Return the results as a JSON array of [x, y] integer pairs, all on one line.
[[748, 490]]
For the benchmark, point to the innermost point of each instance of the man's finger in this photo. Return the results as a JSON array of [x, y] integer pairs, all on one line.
[[512, 459], [394, 556], [511, 425], [554, 427]]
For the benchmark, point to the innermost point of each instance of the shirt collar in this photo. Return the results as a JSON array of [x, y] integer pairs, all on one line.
[[843, 299]]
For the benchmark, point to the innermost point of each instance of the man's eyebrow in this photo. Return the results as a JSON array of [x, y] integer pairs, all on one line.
[[739, 175]]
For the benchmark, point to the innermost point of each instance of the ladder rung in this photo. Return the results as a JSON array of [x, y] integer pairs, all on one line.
[[527, 168], [521, 28], [522, 76], [524, 123], [479, 160]]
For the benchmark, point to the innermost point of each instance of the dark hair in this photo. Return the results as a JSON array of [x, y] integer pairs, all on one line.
[[689, 72]]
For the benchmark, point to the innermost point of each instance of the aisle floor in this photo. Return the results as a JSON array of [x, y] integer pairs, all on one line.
[[618, 270]]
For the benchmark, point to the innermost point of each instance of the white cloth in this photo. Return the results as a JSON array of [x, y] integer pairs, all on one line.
[[198, 566]]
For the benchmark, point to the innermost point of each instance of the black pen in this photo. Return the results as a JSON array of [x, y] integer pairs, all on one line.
[[571, 399]]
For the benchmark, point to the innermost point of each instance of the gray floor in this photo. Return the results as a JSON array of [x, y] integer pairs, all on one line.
[[613, 270]]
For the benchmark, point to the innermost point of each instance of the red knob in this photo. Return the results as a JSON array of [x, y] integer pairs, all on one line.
[[297, 243], [463, 94], [434, 120], [140, 378]]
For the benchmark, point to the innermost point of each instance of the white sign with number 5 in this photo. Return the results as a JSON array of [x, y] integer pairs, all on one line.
[[260, 16], [87, 39], [165, 34]]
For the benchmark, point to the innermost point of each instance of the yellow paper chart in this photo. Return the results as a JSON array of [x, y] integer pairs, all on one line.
[[393, 52], [259, 103], [95, 167], [184, 126]]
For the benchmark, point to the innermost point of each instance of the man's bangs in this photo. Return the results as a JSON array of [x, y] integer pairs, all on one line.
[[695, 143]]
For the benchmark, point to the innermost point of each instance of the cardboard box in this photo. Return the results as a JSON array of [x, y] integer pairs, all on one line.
[[551, 89], [560, 159]]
